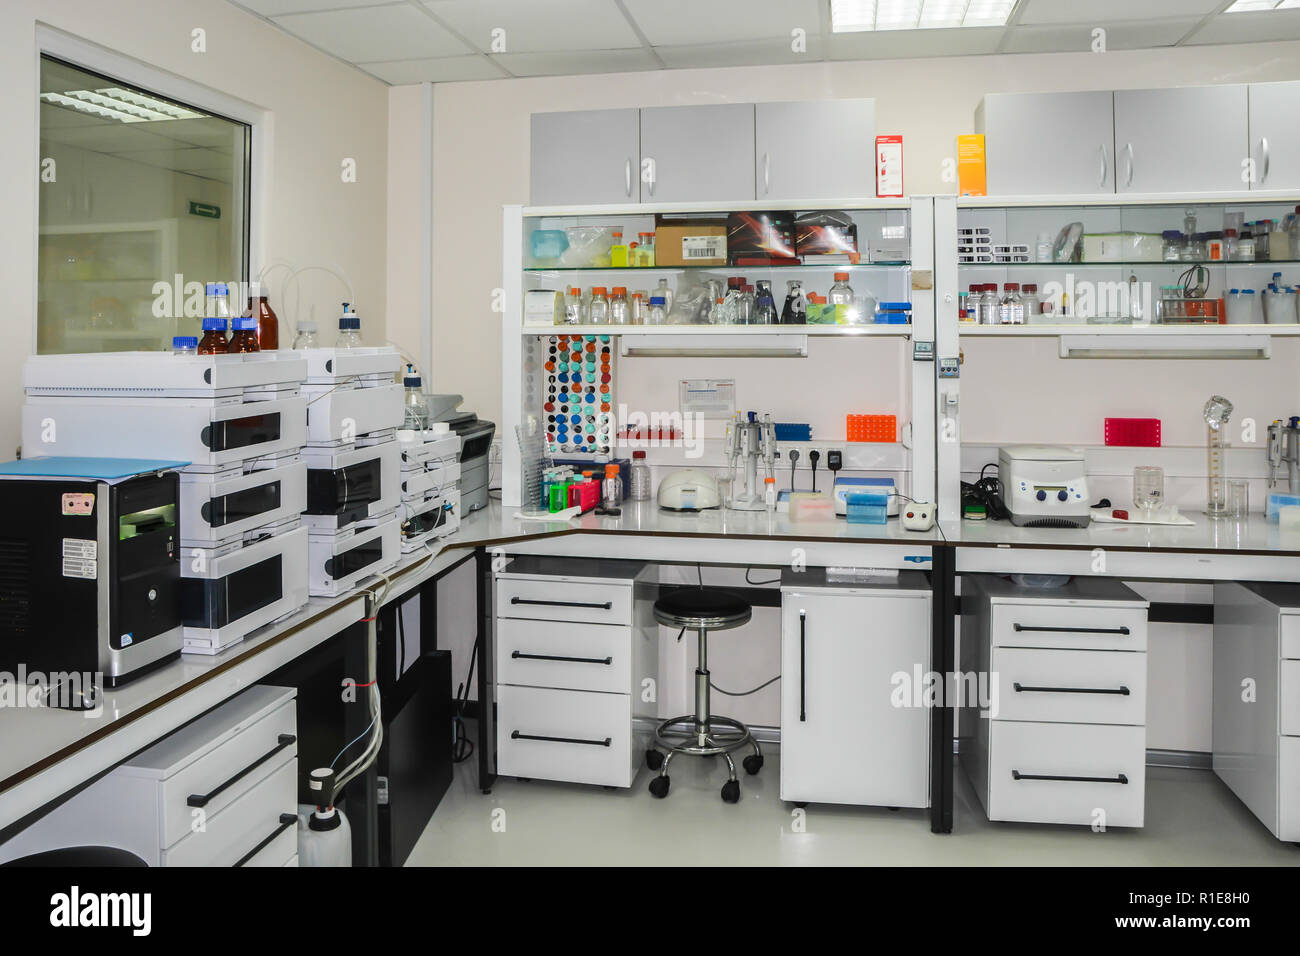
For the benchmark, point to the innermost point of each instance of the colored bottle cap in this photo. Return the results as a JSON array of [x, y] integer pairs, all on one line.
[[214, 325], [184, 342]]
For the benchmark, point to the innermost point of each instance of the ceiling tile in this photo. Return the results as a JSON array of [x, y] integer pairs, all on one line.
[[442, 69], [747, 53], [584, 61], [899, 44], [395, 32], [1104, 13], [274, 8], [685, 22], [108, 139], [183, 160], [1250, 27], [1078, 39], [533, 27]]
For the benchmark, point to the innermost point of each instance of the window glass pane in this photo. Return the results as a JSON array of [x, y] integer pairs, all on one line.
[[142, 200]]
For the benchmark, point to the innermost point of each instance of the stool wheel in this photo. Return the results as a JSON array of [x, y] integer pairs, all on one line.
[[753, 764], [654, 759], [731, 791], [659, 787]]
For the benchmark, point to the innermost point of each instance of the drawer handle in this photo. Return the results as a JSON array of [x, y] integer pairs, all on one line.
[[1118, 778], [516, 735], [202, 799], [803, 665], [286, 820], [1073, 630], [600, 607], [1022, 689], [520, 655]]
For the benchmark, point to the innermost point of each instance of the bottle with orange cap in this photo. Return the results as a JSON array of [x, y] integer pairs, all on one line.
[[618, 309], [611, 489], [598, 309]]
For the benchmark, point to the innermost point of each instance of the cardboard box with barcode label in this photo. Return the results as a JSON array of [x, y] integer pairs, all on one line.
[[704, 244]]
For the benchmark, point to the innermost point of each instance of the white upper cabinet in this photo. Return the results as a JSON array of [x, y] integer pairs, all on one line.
[[824, 149], [1039, 144], [587, 156], [1275, 134], [697, 153], [1185, 140]]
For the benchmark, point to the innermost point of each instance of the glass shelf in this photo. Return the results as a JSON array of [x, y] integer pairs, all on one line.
[[1129, 264], [849, 331], [764, 267]]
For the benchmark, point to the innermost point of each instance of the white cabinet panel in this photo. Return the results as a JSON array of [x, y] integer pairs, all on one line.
[[1093, 687], [1189, 139], [1275, 134], [844, 736], [698, 153], [578, 736], [823, 149], [1046, 143], [585, 156]]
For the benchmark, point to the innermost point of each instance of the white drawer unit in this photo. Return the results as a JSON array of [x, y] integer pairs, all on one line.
[[229, 592], [1257, 700], [845, 735], [564, 598], [1086, 774], [341, 413], [1069, 686], [575, 645], [570, 735], [208, 433], [1057, 732], [218, 507], [220, 791], [578, 656], [351, 484], [336, 563]]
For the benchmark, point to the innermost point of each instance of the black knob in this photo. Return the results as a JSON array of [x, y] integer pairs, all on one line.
[[1062, 496]]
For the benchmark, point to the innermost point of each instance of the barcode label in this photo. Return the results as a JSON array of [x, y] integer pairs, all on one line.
[[704, 247]]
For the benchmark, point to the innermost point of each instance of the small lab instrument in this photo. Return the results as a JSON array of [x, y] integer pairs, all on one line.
[[690, 490], [917, 516], [844, 487], [751, 439], [1284, 450], [1216, 413], [92, 585], [1044, 486]]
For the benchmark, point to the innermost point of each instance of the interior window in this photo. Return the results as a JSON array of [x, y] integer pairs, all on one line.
[[143, 200]]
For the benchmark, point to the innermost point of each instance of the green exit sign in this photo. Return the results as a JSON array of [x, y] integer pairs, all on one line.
[[205, 209]]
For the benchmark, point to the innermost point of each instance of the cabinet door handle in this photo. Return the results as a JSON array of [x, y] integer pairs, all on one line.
[[1101, 180], [516, 735], [1022, 689], [520, 655], [600, 607], [1128, 180], [653, 170], [1072, 630], [1118, 778], [286, 820], [627, 177], [1263, 151], [202, 799], [767, 173], [803, 660]]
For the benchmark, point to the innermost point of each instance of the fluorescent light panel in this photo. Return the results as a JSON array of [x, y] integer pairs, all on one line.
[[125, 106], [855, 16], [1254, 6]]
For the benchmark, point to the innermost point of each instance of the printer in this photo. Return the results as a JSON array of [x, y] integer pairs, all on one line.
[[1044, 486], [476, 442]]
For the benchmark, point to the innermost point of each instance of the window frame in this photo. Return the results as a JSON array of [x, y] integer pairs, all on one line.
[[83, 54]]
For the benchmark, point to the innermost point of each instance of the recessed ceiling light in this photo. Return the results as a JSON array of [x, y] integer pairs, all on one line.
[[1253, 6], [855, 16]]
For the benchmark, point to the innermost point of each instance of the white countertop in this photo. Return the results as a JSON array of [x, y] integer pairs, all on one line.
[[1254, 535]]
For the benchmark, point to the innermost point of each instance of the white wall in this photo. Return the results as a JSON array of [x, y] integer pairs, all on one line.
[[321, 111]]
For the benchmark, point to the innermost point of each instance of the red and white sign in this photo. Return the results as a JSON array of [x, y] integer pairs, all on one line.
[[889, 166]]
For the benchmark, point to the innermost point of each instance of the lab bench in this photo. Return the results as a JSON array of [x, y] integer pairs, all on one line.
[[54, 753]]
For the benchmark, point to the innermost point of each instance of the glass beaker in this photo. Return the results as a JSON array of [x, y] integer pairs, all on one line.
[[1148, 489], [1238, 504]]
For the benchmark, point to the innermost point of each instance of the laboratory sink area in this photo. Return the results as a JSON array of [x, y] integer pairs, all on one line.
[[644, 433]]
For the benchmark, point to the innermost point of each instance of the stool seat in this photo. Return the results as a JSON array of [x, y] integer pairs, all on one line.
[[713, 609]]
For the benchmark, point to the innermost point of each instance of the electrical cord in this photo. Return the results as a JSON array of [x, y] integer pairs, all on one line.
[[986, 491], [748, 571], [744, 693]]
